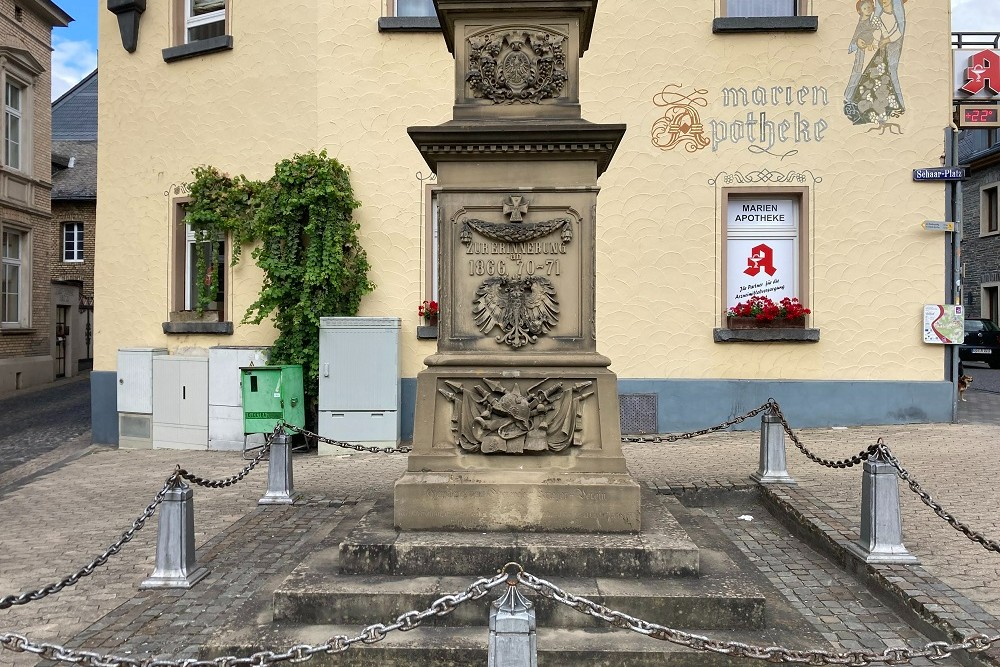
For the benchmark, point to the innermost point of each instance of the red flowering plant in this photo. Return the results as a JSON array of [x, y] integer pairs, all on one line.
[[429, 311], [765, 310]]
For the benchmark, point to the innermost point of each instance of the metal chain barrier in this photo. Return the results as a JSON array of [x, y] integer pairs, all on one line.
[[480, 588], [694, 434], [88, 569], [173, 481], [300, 653], [228, 481], [348, 445], [777, 654], [849, 462], [904, 474]]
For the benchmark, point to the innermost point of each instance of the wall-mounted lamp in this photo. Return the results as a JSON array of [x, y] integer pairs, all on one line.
[[128, 13]]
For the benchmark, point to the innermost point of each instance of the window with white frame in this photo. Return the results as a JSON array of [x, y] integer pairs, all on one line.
[[204, 19], [73, 242], [747, 8], [989, 210], [13, 287], [13, 123], [411, 8], [765, 246]]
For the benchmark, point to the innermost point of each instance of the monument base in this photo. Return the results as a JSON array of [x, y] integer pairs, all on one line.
[[521, 501], [530, 448]]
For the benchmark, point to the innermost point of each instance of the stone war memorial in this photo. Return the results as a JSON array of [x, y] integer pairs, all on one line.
[[517, 421]]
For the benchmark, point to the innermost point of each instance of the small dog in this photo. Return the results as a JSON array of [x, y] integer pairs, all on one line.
[[963, 383]]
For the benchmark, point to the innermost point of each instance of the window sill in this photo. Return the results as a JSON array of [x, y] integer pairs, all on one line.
[[427, 333], [198, 48], [765, 335], [17, 331], [984, 235], [225, 328], [409, 24], [766, 24]]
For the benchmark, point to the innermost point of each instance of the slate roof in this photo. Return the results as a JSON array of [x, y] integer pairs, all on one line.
[[78, 182], [74, 114]]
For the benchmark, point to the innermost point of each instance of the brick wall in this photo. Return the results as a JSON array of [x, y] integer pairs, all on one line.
[[31, 214], [71, 211], [980, 256]]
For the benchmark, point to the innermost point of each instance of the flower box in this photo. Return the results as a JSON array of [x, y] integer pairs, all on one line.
[[733, 322]]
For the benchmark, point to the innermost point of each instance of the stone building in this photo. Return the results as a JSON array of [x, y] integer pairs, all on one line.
[[74, 214], [765, 155], [980, 150], [27, 329]]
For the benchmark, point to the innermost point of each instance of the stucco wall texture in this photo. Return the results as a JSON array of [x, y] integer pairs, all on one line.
[[308, 75]]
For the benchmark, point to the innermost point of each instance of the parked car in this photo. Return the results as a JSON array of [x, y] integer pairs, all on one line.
[[982, 342]]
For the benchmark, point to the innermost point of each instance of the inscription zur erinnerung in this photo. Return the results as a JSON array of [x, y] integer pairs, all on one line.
[[516, 296]]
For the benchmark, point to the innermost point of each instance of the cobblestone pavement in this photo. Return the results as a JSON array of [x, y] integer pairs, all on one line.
[[36, 421], [58, 521], [842, 609]]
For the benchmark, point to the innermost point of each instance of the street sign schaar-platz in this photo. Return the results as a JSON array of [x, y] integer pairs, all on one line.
[[939, 174]]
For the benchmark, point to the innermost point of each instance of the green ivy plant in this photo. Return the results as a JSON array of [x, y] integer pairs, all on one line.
[[301, 226]]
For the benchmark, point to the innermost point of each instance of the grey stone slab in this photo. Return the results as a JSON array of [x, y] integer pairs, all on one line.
[[661, 548]]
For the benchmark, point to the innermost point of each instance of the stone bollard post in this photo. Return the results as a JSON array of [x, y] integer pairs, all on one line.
[[881, 523], [772, 468], [279, 473], [512, 630], [175, 564]]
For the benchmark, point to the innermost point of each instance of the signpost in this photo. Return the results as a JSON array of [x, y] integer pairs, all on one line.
[[939, 174], [938, 226]]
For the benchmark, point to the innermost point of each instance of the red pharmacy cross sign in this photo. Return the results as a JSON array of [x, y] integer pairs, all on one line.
[[761, 258], [983, 72]]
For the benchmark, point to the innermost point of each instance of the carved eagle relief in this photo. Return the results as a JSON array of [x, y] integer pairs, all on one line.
[[523, 308]]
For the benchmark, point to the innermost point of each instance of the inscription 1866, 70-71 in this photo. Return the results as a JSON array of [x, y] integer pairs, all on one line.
[[518, 262]]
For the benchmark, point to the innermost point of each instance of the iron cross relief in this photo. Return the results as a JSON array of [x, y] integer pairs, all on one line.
[[515, 206]]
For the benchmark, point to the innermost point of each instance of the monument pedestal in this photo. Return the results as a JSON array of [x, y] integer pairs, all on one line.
[[516, 426], [528, 448]]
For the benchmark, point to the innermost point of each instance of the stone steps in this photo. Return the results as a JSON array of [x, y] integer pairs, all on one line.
[[662, 548], [461, 647], [723, 602]]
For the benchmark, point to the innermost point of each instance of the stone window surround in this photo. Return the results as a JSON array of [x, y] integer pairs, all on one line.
[[25, 280], [80, 233], [984, 222], [803, 21], [177, 251], [22, 70], [181, 49], [725, 335], [984, 288]]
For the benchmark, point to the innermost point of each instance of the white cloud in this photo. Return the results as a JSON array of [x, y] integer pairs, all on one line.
[[975, 15], [71, 61]]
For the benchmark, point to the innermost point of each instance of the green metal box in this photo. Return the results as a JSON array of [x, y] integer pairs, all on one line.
[[271, 393]]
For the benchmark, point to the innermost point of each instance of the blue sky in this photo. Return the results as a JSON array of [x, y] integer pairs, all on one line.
[[75, 48]]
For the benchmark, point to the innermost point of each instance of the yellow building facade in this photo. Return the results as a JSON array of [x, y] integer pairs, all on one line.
[[766, 156]]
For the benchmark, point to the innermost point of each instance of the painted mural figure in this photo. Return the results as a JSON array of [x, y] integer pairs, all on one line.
[[873, 94]]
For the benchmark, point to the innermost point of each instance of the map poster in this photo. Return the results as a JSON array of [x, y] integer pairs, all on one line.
[[944, 324]]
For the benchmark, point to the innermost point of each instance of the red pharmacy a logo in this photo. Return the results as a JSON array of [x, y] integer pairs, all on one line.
[[761, 257], [983, 72]]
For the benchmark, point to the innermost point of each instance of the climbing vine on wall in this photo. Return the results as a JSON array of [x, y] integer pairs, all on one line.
[[300, 224]]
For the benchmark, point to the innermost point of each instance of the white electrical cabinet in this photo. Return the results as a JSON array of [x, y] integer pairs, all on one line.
[[135, 396], [180, 402], [225, 400], [359, 389]]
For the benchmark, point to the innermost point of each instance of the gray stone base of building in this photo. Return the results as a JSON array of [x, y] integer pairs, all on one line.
[[23, 372], [104, 407], [683, 405]]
